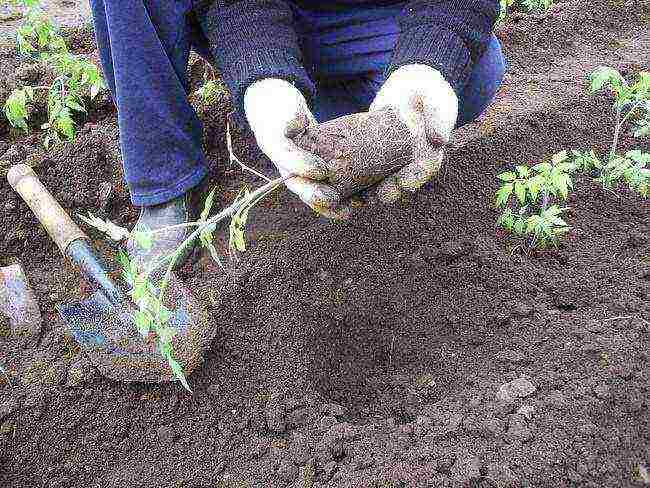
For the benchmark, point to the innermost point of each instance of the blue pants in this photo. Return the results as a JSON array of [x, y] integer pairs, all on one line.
[[144, 49]]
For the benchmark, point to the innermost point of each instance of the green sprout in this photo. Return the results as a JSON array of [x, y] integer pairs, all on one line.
[[530, 196], [148, 292], [16, 107], [536, 192], [525, 5], [211, 91], [75, 79]]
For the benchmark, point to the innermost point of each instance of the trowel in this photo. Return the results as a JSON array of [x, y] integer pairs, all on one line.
[[102, 323]]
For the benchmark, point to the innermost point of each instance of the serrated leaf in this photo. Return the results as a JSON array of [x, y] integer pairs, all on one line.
[[503, 194], [520, 226], [507, 176], [534, 187], [520, 191], [560, 157], [603, 76], [523, 171]]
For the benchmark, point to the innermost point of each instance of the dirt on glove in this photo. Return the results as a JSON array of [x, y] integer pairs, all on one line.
[[359, 150]]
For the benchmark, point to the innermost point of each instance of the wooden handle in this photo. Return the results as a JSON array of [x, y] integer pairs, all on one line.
[[54, 218]]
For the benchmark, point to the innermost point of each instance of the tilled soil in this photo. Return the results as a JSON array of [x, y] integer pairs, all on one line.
[[413, 346]]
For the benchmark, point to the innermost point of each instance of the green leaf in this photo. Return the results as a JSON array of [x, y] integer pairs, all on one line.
[[177, 369], [605, 76], [144, 239], [638, 156], [520, 191], [507, 176], [506, 220], [560, 157], [534, 187], [542, 168], [75, 106], [207, 206], [520, 226], [143, 322], [523, 171], [503, 194]]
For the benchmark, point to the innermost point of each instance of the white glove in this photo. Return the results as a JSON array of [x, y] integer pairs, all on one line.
[[427, 104], [276, 111]]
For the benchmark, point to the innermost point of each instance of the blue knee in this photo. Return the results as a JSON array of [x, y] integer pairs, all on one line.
[[483, 84]]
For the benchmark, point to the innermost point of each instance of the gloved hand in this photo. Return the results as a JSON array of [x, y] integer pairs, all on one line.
[[427, 104], [277, 111]]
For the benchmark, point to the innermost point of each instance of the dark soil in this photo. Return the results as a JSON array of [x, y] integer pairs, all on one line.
[[413, 346]]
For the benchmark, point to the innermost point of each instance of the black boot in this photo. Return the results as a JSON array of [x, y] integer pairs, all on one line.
[[183, 209]]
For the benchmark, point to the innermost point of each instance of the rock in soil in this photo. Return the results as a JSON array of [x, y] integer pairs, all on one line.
[[519, 388]]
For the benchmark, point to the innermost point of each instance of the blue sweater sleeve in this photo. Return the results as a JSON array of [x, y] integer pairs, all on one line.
[[252, 40], [448, 35]]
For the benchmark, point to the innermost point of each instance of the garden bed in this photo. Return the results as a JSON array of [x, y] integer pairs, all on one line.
[[394, 350]]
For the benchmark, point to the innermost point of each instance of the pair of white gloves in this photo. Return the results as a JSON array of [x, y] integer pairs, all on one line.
[[419, 94]]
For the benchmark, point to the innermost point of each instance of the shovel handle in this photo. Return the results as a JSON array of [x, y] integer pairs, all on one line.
[[54, 218]]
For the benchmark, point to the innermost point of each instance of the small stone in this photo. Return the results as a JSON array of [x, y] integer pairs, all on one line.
[[466, 469], [29, 73], [521, 309], [446, 462], [587, 429], [513, 357], [166, 434], [556, 399], [475, 401], [519, 388], [276, 415], [501, 319], [596, 326], [10, 205], [591, 348], [260, 449], [493, 426], [8, 407], [518, 429], [505, 407], [329, 469], [623, 372], [602, 391], [335, 410], [15, 154], [637, 239], [327, 422], [80, 373], [287, 471], [299, 449], [299, 417], [55, 374], [104, 195], [526, 411], [501, 475]]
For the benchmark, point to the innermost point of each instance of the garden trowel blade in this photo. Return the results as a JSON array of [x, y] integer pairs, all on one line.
[[107, 334]]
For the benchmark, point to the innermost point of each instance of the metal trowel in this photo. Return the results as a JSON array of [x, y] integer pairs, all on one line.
[[102, 323]]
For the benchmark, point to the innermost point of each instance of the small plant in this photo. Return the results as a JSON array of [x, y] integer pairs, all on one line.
[[531, 196], [537, 191], [148, 291], [211, 91], [525, 5], [75, 78]]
